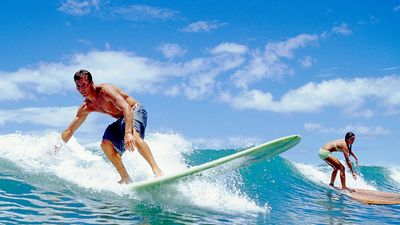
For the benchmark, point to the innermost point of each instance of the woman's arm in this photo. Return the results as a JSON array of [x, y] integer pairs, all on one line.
[[355, 157], [346, 156]]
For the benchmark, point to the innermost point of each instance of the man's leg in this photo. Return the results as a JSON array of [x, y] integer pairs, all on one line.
[[146, 153], [115, 158]]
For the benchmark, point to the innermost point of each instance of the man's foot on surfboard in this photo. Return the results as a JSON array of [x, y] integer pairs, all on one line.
[[158, 173], [331, 184], [127, 180]]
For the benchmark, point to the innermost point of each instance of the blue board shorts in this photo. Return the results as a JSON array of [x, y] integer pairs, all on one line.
[[115, 132]]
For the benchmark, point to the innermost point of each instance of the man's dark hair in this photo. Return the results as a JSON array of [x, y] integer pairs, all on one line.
[[83, 73]]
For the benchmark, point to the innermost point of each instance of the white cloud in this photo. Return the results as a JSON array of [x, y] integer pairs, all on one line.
[[200, 85], [104, 10], [85, 42], [229, 47], [228, 56], [203, 72], [225, 143], [202, 26], [41, 120], [54, 117], [357, 129], [307, 62], [253, 99], [45, 78], [209, 76], [348, 95], [258, 67], [286, 48], [132, 73], [173, 90], [391, 68], [144, 12], [9, 91], [226, 67], [171, 50], [126, 70], [107, 46], [370, 21], [342, 29], [198, 77], [268, 64], [79, 8]]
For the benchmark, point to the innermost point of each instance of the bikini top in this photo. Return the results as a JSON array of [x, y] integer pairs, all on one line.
[[337, 148]]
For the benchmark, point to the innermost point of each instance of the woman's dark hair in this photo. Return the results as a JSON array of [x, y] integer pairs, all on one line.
[[83, 73], [346, 138]]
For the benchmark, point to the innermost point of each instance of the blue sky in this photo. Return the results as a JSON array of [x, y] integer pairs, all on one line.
[[220, 73]]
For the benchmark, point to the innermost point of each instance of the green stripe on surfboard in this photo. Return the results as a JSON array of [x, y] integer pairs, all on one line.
[[244, 157]]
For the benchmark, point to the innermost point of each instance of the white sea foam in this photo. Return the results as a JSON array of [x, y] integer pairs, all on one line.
[[395, 174], [88, 167], [72, 162], [322, 175], [218, 195]]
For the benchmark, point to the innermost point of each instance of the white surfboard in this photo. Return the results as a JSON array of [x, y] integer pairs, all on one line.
[[240, 159]]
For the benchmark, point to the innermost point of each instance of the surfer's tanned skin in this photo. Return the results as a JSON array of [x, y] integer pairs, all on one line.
[[345, 147], [109, 99]]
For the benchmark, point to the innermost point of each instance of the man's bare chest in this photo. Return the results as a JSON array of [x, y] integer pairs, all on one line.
[[105, 107]]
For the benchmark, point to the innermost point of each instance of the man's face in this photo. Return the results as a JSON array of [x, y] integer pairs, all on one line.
[[83, 86]]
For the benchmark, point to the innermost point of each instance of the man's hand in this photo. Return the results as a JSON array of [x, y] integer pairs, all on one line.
[[129, 142], [354, 176], [59, 144]]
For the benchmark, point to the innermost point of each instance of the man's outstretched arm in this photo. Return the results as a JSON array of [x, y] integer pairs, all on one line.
[[80, 117]]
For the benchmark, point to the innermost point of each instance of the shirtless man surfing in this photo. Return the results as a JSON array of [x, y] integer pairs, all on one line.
[[127, 132]]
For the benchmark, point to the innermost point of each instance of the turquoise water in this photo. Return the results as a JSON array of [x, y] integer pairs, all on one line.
[[78, 185]]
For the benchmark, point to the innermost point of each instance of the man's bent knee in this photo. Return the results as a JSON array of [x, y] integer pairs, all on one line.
[[138, 141], [106, 144], [108, 148]]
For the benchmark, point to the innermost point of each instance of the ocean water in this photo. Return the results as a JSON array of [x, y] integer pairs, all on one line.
[[77, 185]]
